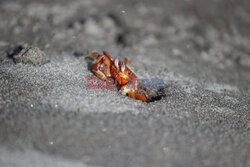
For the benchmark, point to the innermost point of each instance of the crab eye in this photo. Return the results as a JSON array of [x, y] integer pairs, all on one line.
[[117, 62], [123, 68]]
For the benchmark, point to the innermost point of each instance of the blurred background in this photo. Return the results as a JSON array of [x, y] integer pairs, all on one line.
[[201, 49]]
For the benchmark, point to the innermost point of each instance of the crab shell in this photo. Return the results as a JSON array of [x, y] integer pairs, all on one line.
[[122, 73]]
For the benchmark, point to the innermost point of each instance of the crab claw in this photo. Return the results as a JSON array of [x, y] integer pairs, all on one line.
[[139, 94]]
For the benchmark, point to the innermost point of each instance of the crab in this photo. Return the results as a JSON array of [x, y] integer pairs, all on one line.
[[105, 67]]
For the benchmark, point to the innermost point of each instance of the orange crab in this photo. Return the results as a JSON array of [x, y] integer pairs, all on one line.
[[105, 67]]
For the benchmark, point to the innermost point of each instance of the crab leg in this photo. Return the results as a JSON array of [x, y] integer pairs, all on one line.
[[107, 55], [92, 54]]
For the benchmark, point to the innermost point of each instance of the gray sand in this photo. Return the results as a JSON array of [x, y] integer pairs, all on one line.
[[200, 49]]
